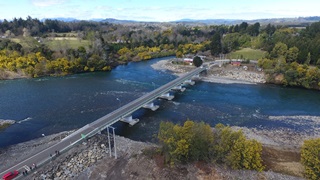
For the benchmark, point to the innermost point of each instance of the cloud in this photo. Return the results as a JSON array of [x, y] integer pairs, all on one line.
[[45, 3]]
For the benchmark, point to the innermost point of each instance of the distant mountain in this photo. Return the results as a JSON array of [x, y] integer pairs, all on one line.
[[207, 21], [117, 21], [283, 21], [62, 19], [299, 21]]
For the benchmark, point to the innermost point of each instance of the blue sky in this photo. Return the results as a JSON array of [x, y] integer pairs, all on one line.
[[160, 10]]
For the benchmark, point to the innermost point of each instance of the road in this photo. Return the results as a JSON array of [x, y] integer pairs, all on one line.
[[100, 124]]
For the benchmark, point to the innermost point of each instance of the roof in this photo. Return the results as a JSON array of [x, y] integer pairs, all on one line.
[[237, 63]]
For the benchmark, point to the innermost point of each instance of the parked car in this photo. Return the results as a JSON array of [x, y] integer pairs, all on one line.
[[10, 175]]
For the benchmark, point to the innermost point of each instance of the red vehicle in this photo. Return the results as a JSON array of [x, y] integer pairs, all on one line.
[[10, 175]]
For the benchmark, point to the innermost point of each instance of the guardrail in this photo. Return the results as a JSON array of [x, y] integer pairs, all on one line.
[[115, 116]]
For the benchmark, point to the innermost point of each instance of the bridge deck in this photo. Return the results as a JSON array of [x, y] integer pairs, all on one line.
[[100, 124]]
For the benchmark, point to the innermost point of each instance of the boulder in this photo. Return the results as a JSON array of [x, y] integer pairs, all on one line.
[[58, 174]]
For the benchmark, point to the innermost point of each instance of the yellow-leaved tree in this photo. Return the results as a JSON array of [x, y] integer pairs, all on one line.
[[197, 141], [310, 158]]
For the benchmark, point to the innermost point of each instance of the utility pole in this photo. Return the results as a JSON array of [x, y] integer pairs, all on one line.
[[114, 143], [109, 141]]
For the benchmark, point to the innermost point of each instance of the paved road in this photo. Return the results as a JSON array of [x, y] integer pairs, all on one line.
[[100, 124]]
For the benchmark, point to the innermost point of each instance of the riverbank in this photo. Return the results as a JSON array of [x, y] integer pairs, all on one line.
[[226, 74], [8, 75], [136, 160], [91, 159]]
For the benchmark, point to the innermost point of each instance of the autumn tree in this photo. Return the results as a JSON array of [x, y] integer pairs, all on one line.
[[310, 158], [196, 141], [189, 142]]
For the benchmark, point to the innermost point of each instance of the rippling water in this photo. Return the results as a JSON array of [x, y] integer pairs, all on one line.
[[53, 104]]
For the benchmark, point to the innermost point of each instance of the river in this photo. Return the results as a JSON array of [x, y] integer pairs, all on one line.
[[53, 104]]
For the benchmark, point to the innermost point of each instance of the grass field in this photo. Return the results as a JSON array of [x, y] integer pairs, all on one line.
[[247, 53], [65, 43], [55, 44]]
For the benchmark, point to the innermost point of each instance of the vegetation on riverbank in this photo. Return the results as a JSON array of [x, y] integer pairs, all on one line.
[[247, 53], [310, 157], [196, 142], [288, 55]]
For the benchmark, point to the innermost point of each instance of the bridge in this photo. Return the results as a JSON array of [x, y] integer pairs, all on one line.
[[121, 114]]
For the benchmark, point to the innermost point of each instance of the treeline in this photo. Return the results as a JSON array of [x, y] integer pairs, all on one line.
[[293, 56], [35, 27], [38, 60]]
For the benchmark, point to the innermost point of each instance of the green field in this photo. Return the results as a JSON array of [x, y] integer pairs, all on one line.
[[66, 43], [247, 53], [56, 44]]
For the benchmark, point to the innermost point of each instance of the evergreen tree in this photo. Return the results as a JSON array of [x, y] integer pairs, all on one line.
[[215, 45]]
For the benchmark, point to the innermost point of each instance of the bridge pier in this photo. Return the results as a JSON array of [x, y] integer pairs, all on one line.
[[129, 120], [190, 82], [151, 106], [195, 77], [179, 88], [166, 96]]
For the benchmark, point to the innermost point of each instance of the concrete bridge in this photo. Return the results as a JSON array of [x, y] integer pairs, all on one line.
[[121, 114]]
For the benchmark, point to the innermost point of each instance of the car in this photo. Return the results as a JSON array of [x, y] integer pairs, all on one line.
[[10, 175]]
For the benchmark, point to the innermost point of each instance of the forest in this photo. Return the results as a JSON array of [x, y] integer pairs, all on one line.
[[32, 48]]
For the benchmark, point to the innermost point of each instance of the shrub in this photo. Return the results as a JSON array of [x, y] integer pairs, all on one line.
[[310, 158]]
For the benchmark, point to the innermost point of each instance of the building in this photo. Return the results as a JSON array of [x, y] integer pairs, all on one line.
[[235, 63]]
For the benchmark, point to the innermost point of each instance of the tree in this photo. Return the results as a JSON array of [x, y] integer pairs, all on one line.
[[270, 29], [245, 154], [292, 54], [243, 27], [215, 45], [192, 141], [236, 28], [279, 50], [197, 61], [230, 42], [253, 30], [310, 158], [307, 62], [235, 150]]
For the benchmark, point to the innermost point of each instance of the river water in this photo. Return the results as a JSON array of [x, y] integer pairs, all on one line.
[[53, 104]]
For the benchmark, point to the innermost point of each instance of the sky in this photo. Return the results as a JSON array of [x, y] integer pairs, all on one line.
[[159, 10]]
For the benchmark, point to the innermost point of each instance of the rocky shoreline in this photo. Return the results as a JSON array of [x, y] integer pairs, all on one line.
[[135, 160], [225, 75], [91, 159]]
